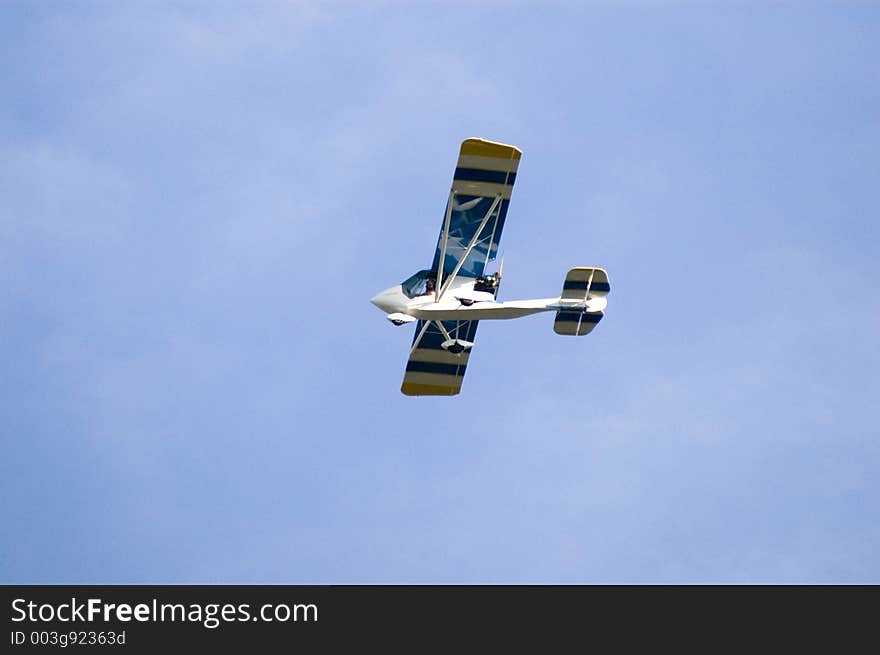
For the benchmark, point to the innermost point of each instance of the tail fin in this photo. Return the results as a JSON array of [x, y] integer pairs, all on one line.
[[582, 285]]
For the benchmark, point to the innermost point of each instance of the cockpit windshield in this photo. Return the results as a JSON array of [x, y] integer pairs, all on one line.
[[419, 284]]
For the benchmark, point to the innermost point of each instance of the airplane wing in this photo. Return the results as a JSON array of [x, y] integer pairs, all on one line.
[[469, 236], [476, 209], [431, 370]]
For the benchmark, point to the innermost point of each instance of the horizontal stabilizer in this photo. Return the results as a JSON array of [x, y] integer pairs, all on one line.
[[583, 296], [584, 283], [576, 323]]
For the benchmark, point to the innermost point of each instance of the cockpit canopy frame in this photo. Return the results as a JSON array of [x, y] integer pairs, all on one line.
[[415, 284]]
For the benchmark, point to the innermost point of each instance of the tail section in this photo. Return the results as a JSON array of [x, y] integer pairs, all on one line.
[[582, 301], [584, 283]]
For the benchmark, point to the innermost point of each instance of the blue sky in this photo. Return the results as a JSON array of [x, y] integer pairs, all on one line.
[[198, 200]]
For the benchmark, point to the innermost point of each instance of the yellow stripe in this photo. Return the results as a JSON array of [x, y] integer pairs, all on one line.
[[438, 356], [436, 379], [411, 389], [483, 148]]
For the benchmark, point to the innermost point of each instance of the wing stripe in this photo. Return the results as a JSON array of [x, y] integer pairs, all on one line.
[[483, 148], [477, 175], [574, 317], [581, 285], [452, 382], [438, 356], [421, 389]]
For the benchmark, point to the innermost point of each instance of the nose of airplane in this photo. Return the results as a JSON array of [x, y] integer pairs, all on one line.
[[386, 300], [382, 300]]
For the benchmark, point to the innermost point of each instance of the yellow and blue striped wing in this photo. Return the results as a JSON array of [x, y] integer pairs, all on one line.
[[485, 170], [432, 371]]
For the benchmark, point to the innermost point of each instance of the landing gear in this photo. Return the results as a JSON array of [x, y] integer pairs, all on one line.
[[456, 346]]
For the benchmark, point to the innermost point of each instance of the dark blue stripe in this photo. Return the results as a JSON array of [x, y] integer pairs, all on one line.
[[434, 367], [477, 175], [581, 285], [574, 317]]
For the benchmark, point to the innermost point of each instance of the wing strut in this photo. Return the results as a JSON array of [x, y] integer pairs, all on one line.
[[424, 329], [443, 330], [449, 204], [419, 338], [470, 247]]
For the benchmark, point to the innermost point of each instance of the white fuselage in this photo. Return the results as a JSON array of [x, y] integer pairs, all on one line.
[[462, 303]]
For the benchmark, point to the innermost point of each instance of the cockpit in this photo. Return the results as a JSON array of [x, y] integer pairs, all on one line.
[[419, 284]]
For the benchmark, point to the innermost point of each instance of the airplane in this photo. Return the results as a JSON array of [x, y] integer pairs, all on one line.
[[447, 301]]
